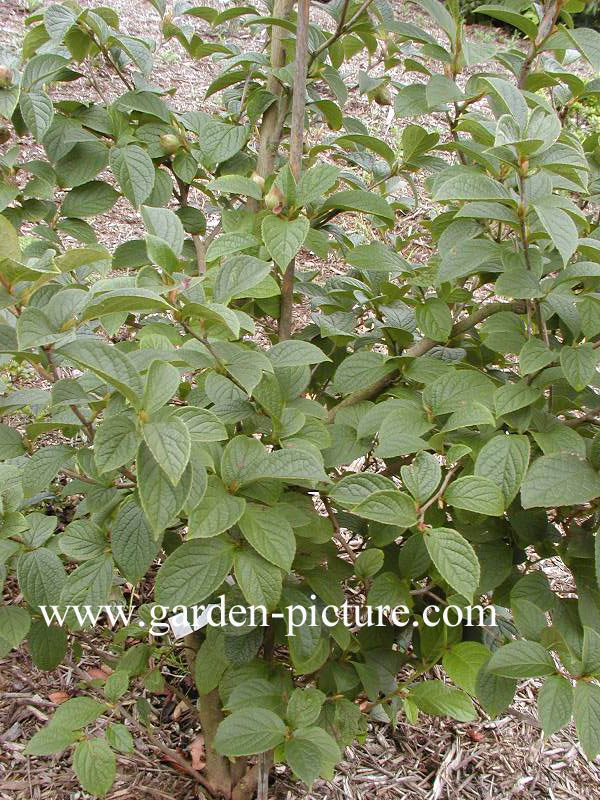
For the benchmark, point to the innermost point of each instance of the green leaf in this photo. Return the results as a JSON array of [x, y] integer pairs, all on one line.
[[523, 23], [586, 711], [579, 365], [270, 534], [162, 381], [360, 370], [463, 661], [585, 40], [359, 200], [455, 560], [193, 571], [109, 363], [89, 584], [249, 731], [519, 284], [82, 540], [466, 258], [218, 511], [513, 396], [470, 187], [115, 443], [368, 563], [535, 355], [78, 712], [119, 737], [376, 257], [434, 697], [591, 651], [237, 275], [560, 227], [370, 143], [41, 577], [160, 500], [14, 624], [169, 441], [116, 685], [89, 200], [37, 110], [259, 580], [398, 444], [473, 414], [229, 243], [218, 141], [504, 459], [95, 766], [559, 480], [283, 238], [316, 182], [58, 20], [442, 90], [134, 170], [389, 507], [134, 547], [47, 645], [304, 759], [434, 319], [235, 184], [34, 329], [129, 301], [422, 477], [9, 241], [522, 659], [291, 465], [555, 704], [295, 353], [304, 706], [475, 493], [50, 740], [353, 489], [166, 225], [494, 692]]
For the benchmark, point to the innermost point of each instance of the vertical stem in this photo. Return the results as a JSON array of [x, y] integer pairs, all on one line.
[[296, 149], [274, 116], [299, 101], [218, 769]]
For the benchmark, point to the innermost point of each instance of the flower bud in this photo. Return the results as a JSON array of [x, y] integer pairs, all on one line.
[[274, 200], [258, 180], [382, 96], [170, 143], [6, 77]]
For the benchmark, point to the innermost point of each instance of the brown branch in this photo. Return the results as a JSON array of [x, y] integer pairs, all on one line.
[[337, 534], [437, 496], [341, 29], [296, 148], [274, 117], [172, 755], [551, 13], [424, 346], [218, 767]]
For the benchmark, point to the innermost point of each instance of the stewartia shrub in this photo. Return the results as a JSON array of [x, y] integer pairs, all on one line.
[[429, 431]]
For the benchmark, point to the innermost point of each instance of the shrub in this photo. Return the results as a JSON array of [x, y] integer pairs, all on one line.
[[429, 432]]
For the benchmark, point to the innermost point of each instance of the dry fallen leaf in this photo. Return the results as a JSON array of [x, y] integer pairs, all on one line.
[[179, 709], [59, 697], [99, 672], [197, 753]]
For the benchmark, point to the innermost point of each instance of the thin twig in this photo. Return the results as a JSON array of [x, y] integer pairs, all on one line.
[[337, 534]]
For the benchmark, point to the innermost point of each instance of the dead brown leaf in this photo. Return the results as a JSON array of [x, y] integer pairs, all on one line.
[[59, 697], [197, 753]]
